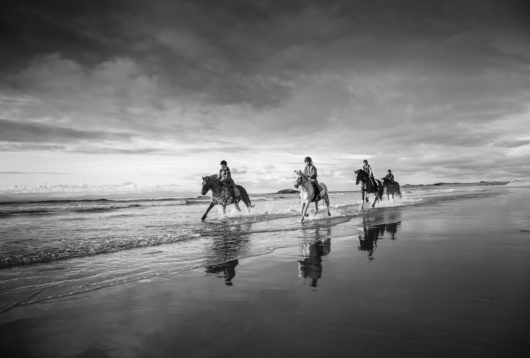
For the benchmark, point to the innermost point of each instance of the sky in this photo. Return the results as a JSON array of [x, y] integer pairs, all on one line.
[[154, 94]]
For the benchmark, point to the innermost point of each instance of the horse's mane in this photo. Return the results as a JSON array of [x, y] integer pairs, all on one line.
[[213, 176], [362, 172]]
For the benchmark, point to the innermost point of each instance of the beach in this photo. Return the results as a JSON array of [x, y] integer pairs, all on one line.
[[447, 277]]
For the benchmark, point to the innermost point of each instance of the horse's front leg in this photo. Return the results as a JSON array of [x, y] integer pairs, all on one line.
[[316, 208], [224, 210], [362, 200], [304, 211], [207, 211], [237, 206]]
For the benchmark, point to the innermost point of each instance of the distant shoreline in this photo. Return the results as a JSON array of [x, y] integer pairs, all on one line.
[[461, 184], [65, 196]]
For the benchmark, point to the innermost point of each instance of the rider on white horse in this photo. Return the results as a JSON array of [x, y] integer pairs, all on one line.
[[311, 171]]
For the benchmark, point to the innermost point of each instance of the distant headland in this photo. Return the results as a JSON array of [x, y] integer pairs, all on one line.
[[288, 191]]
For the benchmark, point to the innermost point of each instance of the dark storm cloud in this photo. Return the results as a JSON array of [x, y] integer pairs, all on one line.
[[235, 51], [513, 143], [11, 131]]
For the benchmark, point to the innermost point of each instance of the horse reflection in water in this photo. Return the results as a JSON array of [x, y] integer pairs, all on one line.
[[226, 270], [373, 233], [310, 267], [225, 249]]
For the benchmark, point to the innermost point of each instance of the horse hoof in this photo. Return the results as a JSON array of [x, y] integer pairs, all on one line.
[[307, 215], [329, 214]]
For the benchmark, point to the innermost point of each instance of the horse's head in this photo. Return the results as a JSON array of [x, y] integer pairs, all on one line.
[[207, 184], [299, 179], [360, 175]]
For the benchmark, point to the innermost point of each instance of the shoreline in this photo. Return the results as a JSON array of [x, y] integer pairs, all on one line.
[[446, 280]]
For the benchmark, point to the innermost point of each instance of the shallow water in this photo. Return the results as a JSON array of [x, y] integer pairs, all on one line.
[[60, 248]]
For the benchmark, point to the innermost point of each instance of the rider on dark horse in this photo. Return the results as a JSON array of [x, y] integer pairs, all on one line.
[[389, 177], [226, 178], [368, 169], [311, 171]]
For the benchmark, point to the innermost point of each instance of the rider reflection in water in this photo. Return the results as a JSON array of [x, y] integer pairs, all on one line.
[[311, 265]]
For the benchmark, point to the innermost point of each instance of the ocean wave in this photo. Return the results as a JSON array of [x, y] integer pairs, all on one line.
[[104, 246], [7, 213], [104, 200]]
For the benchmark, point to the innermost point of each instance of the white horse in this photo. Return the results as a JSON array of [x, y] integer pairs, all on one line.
[[307, 193]]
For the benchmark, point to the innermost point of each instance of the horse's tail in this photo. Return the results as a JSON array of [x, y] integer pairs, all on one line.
[[398, 190], [245, 197], [324, 190]]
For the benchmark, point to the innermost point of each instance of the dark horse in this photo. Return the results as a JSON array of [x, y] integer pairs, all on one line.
[[368, 187], [391, 188], [222, 196]]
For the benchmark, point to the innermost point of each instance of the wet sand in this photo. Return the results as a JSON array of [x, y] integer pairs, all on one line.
[[445, 280]]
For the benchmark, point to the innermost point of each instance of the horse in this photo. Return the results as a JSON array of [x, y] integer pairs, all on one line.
[[307, 193], [222, 196], [391, 188], [368, 187]]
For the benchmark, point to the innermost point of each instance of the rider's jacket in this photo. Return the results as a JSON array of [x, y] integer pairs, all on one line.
[[390, 177], [368, 169], [225, 176], [311, 171]]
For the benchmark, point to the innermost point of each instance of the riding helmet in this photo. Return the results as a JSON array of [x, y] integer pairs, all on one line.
[[223, 162], [308, 159], [365, 161]]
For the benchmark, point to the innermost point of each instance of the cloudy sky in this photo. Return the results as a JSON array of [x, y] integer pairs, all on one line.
[[158, 92]]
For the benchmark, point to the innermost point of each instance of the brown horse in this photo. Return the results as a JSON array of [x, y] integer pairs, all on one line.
[[392, 187], [222, 195], [368, 187]]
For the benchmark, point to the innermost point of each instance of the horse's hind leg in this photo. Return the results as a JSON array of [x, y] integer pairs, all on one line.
[[326, 199], [237, 206], [316, 208]]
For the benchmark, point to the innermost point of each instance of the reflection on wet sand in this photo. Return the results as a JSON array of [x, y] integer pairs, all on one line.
[[226, 270], [225, 249], [373, 233], [310, 267]]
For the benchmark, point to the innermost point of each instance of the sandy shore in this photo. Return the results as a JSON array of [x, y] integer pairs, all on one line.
[[449, 280]]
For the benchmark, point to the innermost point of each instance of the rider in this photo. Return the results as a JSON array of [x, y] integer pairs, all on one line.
[[226, 177], [311, 171], [389, 177], [368, 170]]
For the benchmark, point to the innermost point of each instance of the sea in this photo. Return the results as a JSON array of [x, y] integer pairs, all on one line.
[[64, 247]]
